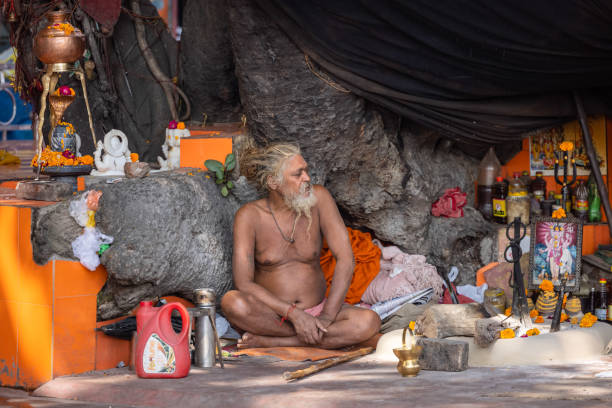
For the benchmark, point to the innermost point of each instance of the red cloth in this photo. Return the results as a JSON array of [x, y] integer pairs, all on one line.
[[446, 298], [105, 12], [451, 204]]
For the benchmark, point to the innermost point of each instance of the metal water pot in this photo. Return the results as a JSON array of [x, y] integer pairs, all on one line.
[[59, 42]]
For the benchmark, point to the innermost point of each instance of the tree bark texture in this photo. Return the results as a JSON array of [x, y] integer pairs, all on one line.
[[441, 321]]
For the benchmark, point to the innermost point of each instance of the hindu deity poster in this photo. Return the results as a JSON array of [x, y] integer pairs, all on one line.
[[544, 143]]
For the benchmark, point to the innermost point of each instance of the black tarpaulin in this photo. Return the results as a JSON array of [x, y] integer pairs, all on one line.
[[481, 71]]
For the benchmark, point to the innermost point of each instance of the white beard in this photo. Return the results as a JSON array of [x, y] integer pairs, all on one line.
[[302, 202]]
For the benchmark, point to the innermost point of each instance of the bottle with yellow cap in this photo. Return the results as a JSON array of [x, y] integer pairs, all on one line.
[[518, 201], [601, 308]]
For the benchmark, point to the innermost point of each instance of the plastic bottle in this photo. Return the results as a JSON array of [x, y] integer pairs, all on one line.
[[161, 352], [601, 307], [538, 187], [518, 201], [488, 169], [500, 192], [594, 201], [581, 208], [526, 180]]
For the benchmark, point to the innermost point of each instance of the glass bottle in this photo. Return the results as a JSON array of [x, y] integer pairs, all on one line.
[[500, 192], [581, 208], [488, 169], [526, 180], [594, 201], [601, 307], [518, 203], [538, 187]]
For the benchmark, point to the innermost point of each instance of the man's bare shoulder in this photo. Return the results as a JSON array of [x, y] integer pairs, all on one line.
[[251, 209], [323, 195]]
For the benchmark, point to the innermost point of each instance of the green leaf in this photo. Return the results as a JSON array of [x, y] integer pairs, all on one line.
[[230, 162], [224, 191], [214, 165], [219, 181], [220, 175], [230, 185]]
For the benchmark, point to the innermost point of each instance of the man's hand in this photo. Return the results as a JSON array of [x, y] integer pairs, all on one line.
[[309, 329]]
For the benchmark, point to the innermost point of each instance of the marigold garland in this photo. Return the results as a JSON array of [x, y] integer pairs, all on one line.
[[566, 146], [533, 332], [534, 313], [547, 285], [67, 28], [539, 319], [51, 158]]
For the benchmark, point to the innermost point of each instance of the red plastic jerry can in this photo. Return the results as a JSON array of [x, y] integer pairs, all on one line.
[[160, 351]]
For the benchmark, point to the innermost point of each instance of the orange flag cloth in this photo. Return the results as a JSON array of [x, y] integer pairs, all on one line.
[[367, 264]]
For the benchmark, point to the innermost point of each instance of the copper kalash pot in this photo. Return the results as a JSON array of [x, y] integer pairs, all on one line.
[[60, 42]]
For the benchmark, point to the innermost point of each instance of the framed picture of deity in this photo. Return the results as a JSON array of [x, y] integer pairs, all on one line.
[[556, 251], [545, 142]]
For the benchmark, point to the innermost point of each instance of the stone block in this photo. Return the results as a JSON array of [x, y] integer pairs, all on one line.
[[443, 354], [43, 190]]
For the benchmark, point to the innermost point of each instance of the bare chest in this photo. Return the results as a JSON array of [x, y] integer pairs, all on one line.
[[273, 248]]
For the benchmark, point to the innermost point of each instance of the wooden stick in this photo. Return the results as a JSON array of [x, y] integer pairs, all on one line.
[[592, 155], [315, 368]]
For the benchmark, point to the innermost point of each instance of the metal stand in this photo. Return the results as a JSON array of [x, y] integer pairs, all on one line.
[[519, 299], [556, 321], [565, 185], [49, 81]]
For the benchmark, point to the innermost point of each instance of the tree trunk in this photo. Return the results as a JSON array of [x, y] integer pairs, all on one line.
[[441, 321]]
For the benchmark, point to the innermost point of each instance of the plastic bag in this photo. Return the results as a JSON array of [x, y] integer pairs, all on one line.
[[78, 210], [87, 245]]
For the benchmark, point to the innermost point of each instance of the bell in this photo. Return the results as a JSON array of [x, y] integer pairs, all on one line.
[[408, 365], [12, 18]]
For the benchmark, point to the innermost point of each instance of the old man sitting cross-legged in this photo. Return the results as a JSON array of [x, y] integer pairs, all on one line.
[[280, 297]]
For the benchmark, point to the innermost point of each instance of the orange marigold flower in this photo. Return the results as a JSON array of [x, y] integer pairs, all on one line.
[[566, 146], [180, 125], [574, 320], [507, 334], [412, 324], [534, 313], [533, 332], [539, 319], [547, 285], [134, 157], [564, 317], [508, 311]]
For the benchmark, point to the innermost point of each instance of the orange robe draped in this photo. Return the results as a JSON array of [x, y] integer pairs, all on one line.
[[367, 264]]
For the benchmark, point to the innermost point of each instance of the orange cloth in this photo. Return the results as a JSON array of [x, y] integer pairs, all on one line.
[[480, 278], [367, 264]]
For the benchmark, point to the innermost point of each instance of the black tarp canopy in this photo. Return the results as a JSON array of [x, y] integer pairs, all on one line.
[[481, 71]]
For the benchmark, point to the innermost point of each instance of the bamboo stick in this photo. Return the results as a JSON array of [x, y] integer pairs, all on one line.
[[315, 368], [588, 144]]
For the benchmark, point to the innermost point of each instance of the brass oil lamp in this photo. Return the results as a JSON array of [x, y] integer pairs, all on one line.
[[408, 365]]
